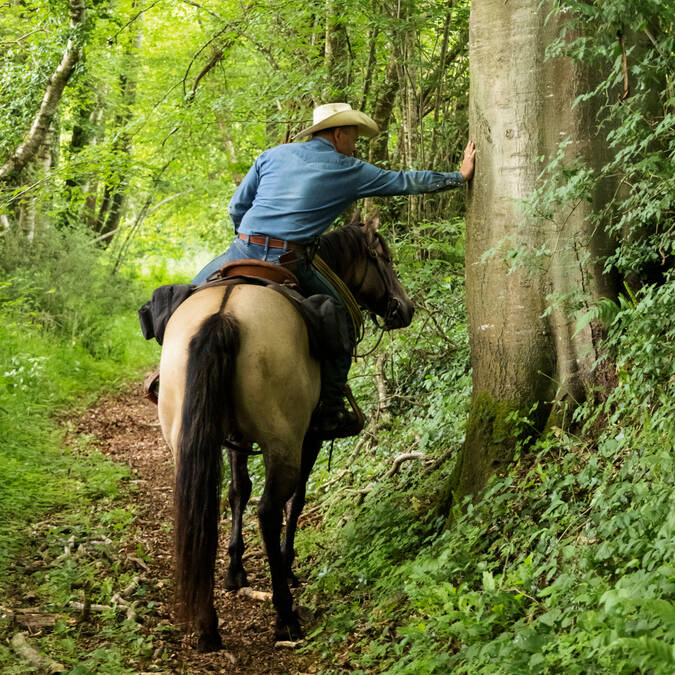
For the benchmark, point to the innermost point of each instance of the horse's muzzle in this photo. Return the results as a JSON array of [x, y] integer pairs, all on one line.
[[399, 313]]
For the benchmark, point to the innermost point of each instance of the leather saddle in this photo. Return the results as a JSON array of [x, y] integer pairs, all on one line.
[[261, 269]]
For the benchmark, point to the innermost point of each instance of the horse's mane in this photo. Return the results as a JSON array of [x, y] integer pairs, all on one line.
[[339, 248]]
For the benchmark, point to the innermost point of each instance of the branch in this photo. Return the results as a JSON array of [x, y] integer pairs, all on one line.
[[206, 9], [381, 381], [198, 52], [22, 37], [57, 82], [26, 651], [404, 458], [133, 18], [248, 592], [212, 63]]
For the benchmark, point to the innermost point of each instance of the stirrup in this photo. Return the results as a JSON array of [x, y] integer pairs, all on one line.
[[151, 387]]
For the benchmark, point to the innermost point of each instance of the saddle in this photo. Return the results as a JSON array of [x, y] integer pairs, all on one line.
[[259, 269], [327, 322]]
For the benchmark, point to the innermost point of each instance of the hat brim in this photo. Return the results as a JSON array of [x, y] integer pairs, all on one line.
[[347, 118]]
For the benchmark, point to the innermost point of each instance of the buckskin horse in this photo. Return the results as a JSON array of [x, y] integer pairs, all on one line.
[[239, 361]]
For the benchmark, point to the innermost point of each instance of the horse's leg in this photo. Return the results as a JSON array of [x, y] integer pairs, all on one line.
[[239, 493], [294, 506], [280, 483]]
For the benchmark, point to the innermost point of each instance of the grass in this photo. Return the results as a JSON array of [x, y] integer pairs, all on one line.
[[60, 348]]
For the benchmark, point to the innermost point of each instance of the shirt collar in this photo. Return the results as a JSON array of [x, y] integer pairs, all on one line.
[[322, 141]]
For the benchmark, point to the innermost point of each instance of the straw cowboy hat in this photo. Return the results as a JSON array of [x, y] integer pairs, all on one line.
[[340, 115]]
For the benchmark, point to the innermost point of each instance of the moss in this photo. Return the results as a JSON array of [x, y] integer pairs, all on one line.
[[492, 433], [495, 422]]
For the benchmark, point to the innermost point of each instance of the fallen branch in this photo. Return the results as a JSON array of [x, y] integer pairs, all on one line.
[[288, 644], [133, 585], [381, 382], [248, 592], [26, 651], [80, 607], [404, 458]]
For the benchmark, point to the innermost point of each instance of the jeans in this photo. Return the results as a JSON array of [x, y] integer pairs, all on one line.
[[334, 372]]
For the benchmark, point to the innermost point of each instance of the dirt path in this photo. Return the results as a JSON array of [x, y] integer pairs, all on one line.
[[126, 429]]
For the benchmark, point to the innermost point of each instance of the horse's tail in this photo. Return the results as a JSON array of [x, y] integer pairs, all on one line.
[[207, 416]]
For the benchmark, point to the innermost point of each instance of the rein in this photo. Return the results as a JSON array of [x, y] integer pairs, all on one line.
[[350, 301]]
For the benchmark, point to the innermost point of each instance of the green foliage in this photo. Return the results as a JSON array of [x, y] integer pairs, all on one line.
[[566, 562], [640, 130]]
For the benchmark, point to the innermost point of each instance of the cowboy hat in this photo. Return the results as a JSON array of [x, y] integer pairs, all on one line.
[[340, 115]]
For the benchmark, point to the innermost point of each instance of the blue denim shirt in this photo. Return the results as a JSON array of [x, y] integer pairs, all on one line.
[[295, 191]]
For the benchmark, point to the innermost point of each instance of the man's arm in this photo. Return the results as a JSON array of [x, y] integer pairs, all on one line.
[[243, 197], [375, 181]]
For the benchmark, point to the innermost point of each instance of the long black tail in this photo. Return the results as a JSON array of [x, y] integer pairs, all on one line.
[[207, 416]]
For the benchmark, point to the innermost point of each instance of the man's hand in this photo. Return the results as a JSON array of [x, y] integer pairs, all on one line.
[[469, 158]]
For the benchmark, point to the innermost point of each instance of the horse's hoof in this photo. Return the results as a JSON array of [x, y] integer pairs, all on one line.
[[209, 642], [288, 630], [235, 580]]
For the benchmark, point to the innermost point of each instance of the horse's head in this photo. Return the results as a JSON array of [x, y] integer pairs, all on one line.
[[371, 277]]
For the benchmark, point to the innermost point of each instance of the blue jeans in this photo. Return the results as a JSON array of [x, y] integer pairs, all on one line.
[[334, 372]]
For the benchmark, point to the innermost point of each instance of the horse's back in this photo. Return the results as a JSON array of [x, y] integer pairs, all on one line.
[[276, 383]]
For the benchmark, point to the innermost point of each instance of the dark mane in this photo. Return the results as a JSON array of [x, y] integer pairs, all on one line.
[[340, 247]]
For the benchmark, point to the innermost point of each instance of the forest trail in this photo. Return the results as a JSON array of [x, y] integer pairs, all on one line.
[[125, 428]]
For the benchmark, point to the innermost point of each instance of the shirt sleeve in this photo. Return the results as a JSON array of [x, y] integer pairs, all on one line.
[[378, 182], [244, 195]]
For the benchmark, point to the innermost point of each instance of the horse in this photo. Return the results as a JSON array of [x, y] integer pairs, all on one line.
[[238, 361]]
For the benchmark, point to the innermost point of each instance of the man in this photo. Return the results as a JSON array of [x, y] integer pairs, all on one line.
[[294, 192]]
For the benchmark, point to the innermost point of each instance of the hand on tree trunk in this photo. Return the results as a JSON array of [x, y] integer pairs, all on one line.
[[468, 162]]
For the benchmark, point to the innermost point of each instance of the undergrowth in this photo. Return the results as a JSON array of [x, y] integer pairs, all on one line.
[[564, 565], [68, 332]]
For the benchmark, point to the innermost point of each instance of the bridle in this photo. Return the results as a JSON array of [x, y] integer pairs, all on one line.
[[380, 261]]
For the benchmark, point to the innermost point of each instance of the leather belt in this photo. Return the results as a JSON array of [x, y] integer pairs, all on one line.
[[262, 240]]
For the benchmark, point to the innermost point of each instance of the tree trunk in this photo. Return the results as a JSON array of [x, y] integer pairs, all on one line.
[[338, 60], [382, 109], [525, 364], [25, 153], [114, 196]]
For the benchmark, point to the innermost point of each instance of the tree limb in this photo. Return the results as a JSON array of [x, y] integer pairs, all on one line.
[[57, 82], [406, 457], [26, 651], [16, 41], [215, 15]]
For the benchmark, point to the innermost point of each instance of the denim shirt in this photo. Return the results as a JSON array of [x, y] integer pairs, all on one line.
[[295, 191]]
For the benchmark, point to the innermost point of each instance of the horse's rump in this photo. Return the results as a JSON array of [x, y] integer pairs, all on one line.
[[275, 383]]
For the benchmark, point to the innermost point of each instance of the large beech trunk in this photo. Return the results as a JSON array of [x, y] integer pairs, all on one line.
[[525, 363]]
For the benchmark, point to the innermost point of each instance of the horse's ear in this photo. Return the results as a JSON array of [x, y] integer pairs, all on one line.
[[356, 218], [373, 222]]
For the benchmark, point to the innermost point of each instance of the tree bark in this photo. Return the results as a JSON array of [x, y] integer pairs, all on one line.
[[28, 149], [337, 56], [382, 109], [114, 197], [526, 364]]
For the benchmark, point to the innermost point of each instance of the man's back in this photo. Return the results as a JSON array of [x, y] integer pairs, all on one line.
[[295, 191]]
